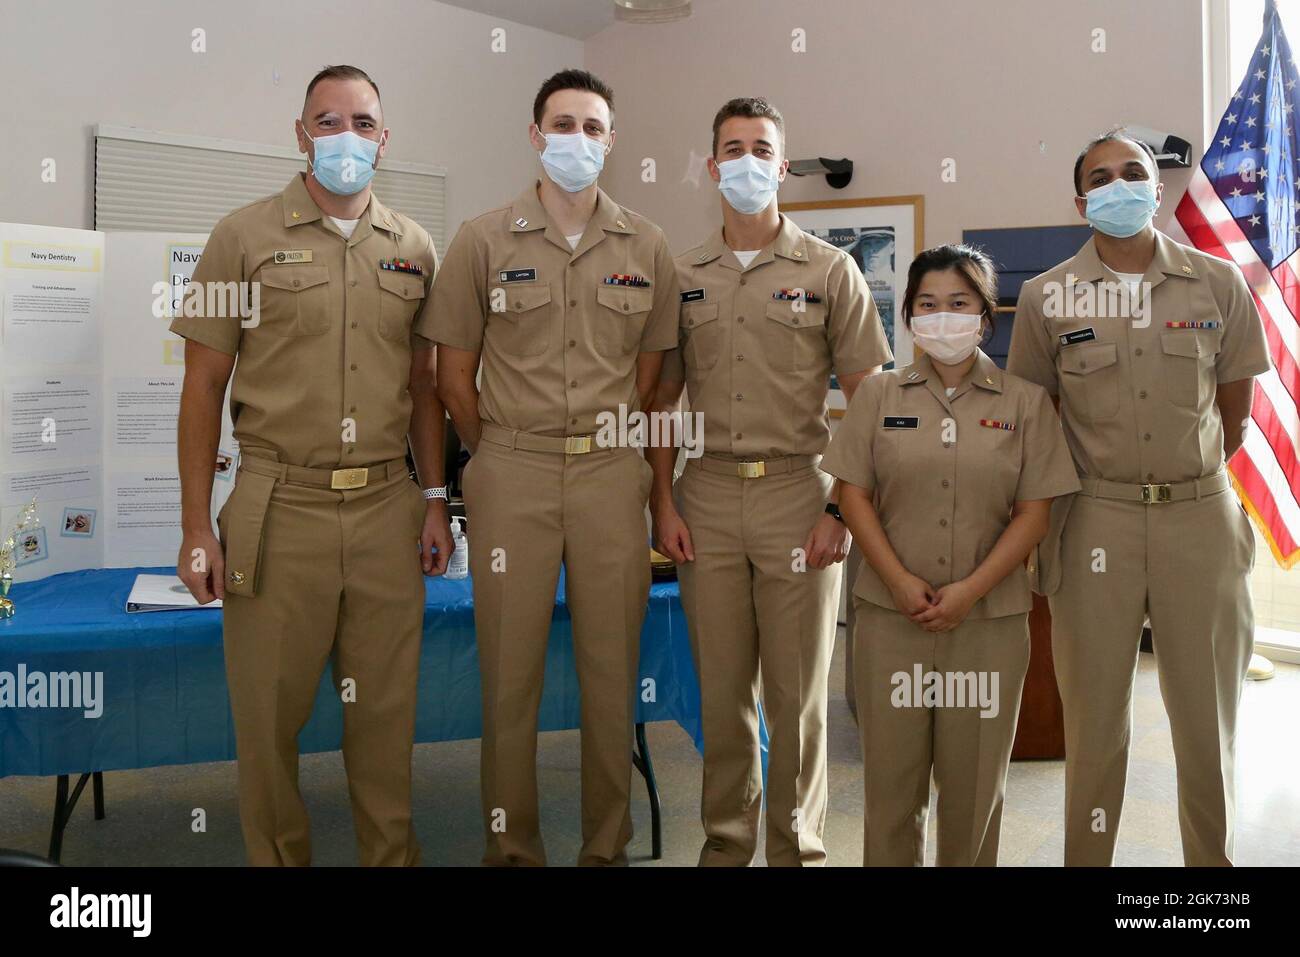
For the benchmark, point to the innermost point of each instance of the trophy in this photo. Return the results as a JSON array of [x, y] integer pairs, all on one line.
[[26, 520]]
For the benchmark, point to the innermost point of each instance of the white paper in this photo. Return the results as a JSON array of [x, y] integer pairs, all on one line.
[[144, 413], [51, 418], [162, 593]]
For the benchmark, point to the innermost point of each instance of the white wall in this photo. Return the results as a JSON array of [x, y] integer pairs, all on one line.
[[449, 100], [897, 86]]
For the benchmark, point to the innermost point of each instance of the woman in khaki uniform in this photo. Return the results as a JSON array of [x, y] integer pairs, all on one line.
[[948, 468]]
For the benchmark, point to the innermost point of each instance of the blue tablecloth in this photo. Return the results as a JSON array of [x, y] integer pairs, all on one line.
[[164, 681]]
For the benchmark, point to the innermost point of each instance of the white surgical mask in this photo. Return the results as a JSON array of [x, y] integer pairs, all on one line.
[[749, 183], [573, 160], [948, 337]]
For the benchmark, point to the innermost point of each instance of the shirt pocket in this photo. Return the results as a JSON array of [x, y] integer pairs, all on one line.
[[523, 325], [1090, 379], [400, 296], [795, 339], [701, 336], [294, 300], [1188, 362], [619, 333]]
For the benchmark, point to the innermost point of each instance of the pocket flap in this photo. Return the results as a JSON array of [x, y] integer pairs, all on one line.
[[1186, 344], [294, 278], [401, 284], [624, 299], [245, 518], [524, 298], [812, 316], [1086, 359], [698, 315]]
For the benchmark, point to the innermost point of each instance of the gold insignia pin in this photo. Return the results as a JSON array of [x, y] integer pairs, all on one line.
[[988, 379], [1187, 269], [295, 214], [797, 254], [620, 224], [237, 577]]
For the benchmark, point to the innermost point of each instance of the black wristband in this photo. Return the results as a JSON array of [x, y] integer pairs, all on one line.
[[833, 511]]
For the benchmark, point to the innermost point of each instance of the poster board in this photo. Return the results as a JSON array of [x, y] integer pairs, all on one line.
[[90, 381]]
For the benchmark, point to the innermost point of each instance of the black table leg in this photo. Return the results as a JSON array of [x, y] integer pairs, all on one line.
[[60, 816], [65, 802], [641, 760]]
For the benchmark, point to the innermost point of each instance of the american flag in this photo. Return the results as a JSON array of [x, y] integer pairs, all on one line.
[[1243, 204]]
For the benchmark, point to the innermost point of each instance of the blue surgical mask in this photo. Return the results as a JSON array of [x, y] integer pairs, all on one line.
[[344, 162], [1122, 208], [749, 183], [573, 160]]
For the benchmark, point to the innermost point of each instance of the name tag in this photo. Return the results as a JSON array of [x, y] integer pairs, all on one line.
[[693, 295], [518, 275], [901, 422], [293, 255], [1077, 336]]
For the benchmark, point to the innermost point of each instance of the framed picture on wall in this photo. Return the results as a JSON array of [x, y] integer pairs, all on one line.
[[883, 235]]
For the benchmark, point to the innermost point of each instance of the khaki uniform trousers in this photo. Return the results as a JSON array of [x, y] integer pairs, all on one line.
[[529, 512], [327, 576], [754, 612], [967, 753], [1186, 565]]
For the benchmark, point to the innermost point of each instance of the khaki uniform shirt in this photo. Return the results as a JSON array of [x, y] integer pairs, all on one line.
[[945, 472], [759, 367], [559, 344], [333, 337], [1137, 392]]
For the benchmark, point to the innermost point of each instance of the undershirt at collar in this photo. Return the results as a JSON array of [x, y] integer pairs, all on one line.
[[746, 256], [346, 226]]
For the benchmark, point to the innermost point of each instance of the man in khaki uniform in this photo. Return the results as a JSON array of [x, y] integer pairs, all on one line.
[[323, 538], [768, 312], [1153, 401], [569, 300]]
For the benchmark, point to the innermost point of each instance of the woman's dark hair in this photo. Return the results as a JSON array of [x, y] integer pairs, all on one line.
[[974, 264]]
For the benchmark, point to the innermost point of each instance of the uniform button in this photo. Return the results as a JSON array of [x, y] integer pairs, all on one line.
[[944, 483], [690, 322], [740, 318], [573, 383], [740, 358], [297, 282], [352, 409], [519, 304], [573, 422], [947, 445], [354, 325], [942, 560], [572, 343], [1150, 476], [1147, 437], [1137, 352], [739, 396], [573, 302], [742, 280], [626, 307], [943, 522], [796, 320], [352, 282], [740, 435], [354, 367], [1142, 394]]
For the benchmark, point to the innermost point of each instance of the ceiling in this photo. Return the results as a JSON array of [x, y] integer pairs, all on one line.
[[579, 19]]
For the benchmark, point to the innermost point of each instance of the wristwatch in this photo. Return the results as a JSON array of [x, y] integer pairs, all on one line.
[[833, 511], [432, 493]]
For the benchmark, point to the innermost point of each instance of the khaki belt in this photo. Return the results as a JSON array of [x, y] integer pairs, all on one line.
[[563, 444], [752, 470], [1155, 494], [351, 478]]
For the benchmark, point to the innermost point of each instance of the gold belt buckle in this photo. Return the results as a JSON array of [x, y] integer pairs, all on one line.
[[349, 478], [577, 444], [1155, 494], [751, 470]]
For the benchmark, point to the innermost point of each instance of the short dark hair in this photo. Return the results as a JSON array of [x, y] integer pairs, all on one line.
[[340, 72], [1118, 134], [750, 106], [972, 262], [572, 80]]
